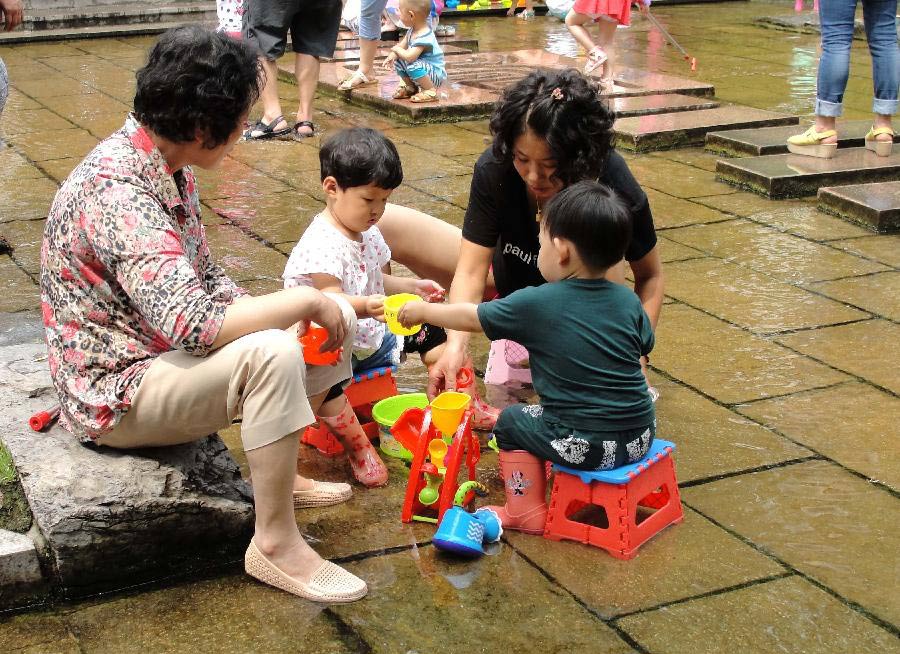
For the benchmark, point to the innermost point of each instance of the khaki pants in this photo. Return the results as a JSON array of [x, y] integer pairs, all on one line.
[[260, 377]]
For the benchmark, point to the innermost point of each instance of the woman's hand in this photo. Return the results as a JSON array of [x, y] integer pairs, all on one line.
[[12, 12], [429, 290], [375, 307], [327, 313], [443, 373]]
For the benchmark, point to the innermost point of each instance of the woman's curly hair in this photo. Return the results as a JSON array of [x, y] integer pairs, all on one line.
[[564, 108], [196, 81]]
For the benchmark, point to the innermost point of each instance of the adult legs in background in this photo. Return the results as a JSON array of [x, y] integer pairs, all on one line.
[[879, 17], [369, 35], [836, 17]]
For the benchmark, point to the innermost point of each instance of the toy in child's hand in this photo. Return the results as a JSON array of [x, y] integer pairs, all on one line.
[[464, 533]]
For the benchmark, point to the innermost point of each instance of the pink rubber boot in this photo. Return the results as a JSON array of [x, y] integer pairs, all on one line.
[[525, 480], [367, 466]]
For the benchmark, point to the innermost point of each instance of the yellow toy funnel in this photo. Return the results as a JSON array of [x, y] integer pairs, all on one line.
[[447, 411]]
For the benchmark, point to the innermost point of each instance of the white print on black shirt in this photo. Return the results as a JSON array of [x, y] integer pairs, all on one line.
[[516, 251]]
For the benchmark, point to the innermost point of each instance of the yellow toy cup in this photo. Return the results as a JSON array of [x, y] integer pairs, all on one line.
[[392, 304], [437, 450], [447, 410]]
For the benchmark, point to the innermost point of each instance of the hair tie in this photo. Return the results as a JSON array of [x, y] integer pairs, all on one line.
[[557, 94]]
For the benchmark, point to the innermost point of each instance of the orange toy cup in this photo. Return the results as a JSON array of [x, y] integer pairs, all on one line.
[[311, 341]]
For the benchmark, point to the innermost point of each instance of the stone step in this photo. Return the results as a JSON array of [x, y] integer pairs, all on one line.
[[118, 14], [92, 32], [348, 55], [675, 130], [477, 79], [664, 103], [773, 140], [794, 176], [872, 205], [20, 570]]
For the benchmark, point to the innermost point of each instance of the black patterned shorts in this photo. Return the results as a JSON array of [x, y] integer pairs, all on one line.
[[524, 427]]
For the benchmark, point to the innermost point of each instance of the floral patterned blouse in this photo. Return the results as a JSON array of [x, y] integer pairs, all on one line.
[[126, 275]]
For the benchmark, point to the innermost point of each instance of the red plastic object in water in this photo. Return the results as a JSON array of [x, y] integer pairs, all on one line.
[[43, 419], [311, 341]]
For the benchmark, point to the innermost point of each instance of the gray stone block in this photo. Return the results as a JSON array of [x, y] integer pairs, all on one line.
[[18, 559], [113, 518]]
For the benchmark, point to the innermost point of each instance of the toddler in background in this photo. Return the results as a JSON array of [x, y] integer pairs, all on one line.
[[344, 252], [585, 336], [231, 17], [418, 58], [528, 14], [608, 14]]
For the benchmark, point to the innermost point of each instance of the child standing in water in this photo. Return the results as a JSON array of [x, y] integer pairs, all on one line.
[[586, 336], [418, 58], [608, 14], [343, 251]]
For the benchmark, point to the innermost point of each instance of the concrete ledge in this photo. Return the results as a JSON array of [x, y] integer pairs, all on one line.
[[876, 206], [773, 140], [110, 518]]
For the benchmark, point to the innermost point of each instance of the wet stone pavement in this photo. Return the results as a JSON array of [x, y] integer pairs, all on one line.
[[776, 361]]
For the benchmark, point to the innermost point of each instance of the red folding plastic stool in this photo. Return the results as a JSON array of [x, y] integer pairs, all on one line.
[[367, 388], [649, 483]]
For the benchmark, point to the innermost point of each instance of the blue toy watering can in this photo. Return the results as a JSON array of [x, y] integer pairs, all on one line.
[[464, 533]]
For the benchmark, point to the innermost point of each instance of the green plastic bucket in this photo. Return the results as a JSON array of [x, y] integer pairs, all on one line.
[[386, 412]]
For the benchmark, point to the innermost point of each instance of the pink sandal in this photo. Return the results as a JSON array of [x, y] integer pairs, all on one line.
[[595, 58]]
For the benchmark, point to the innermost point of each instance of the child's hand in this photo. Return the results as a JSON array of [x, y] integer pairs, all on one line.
[[412, 313], [389, 60], [429, 290], [375, 307]]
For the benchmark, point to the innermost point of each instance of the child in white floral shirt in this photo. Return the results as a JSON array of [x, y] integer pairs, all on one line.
[[343, 251]]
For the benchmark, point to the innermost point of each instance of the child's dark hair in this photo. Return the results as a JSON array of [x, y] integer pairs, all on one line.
[[197, 81], [360, 156], [564, 108], [594, 219]]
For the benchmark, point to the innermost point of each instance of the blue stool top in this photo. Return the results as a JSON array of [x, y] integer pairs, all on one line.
[[372, 373], [621, 475]]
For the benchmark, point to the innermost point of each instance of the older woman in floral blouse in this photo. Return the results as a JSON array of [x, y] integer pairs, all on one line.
[[150, 343]]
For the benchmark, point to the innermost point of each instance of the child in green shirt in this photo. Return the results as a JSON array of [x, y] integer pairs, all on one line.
[[585, 336]]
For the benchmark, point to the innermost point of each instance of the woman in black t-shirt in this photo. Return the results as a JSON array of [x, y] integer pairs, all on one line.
[[550, 130]]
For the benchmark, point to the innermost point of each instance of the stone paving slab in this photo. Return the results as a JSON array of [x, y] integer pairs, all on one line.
[[422, 601], [868, 349], [752, 300], [347, 55], [713, 440], [789, 615], [682, 561], [854, 424], [230, 614], [884, 249], [773, 140], [18, 291], [475, 81], [819, 519], [729, 364], [876, 205], [876, 293], [771, 252], [26, 201], [665, 131], [671, 212], [791, 175]]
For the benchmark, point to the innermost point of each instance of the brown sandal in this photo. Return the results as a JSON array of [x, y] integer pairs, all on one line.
[[405, 92], [425, 95]]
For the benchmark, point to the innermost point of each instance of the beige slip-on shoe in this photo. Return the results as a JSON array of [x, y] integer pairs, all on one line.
[[324, 493], [330, 583]]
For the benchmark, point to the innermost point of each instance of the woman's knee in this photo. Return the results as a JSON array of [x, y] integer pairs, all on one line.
[[274, 348]]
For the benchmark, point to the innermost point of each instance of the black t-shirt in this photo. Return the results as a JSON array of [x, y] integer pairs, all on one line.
[[499, 216]]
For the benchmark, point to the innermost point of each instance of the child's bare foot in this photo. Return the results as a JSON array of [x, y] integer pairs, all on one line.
[[368, 468]]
